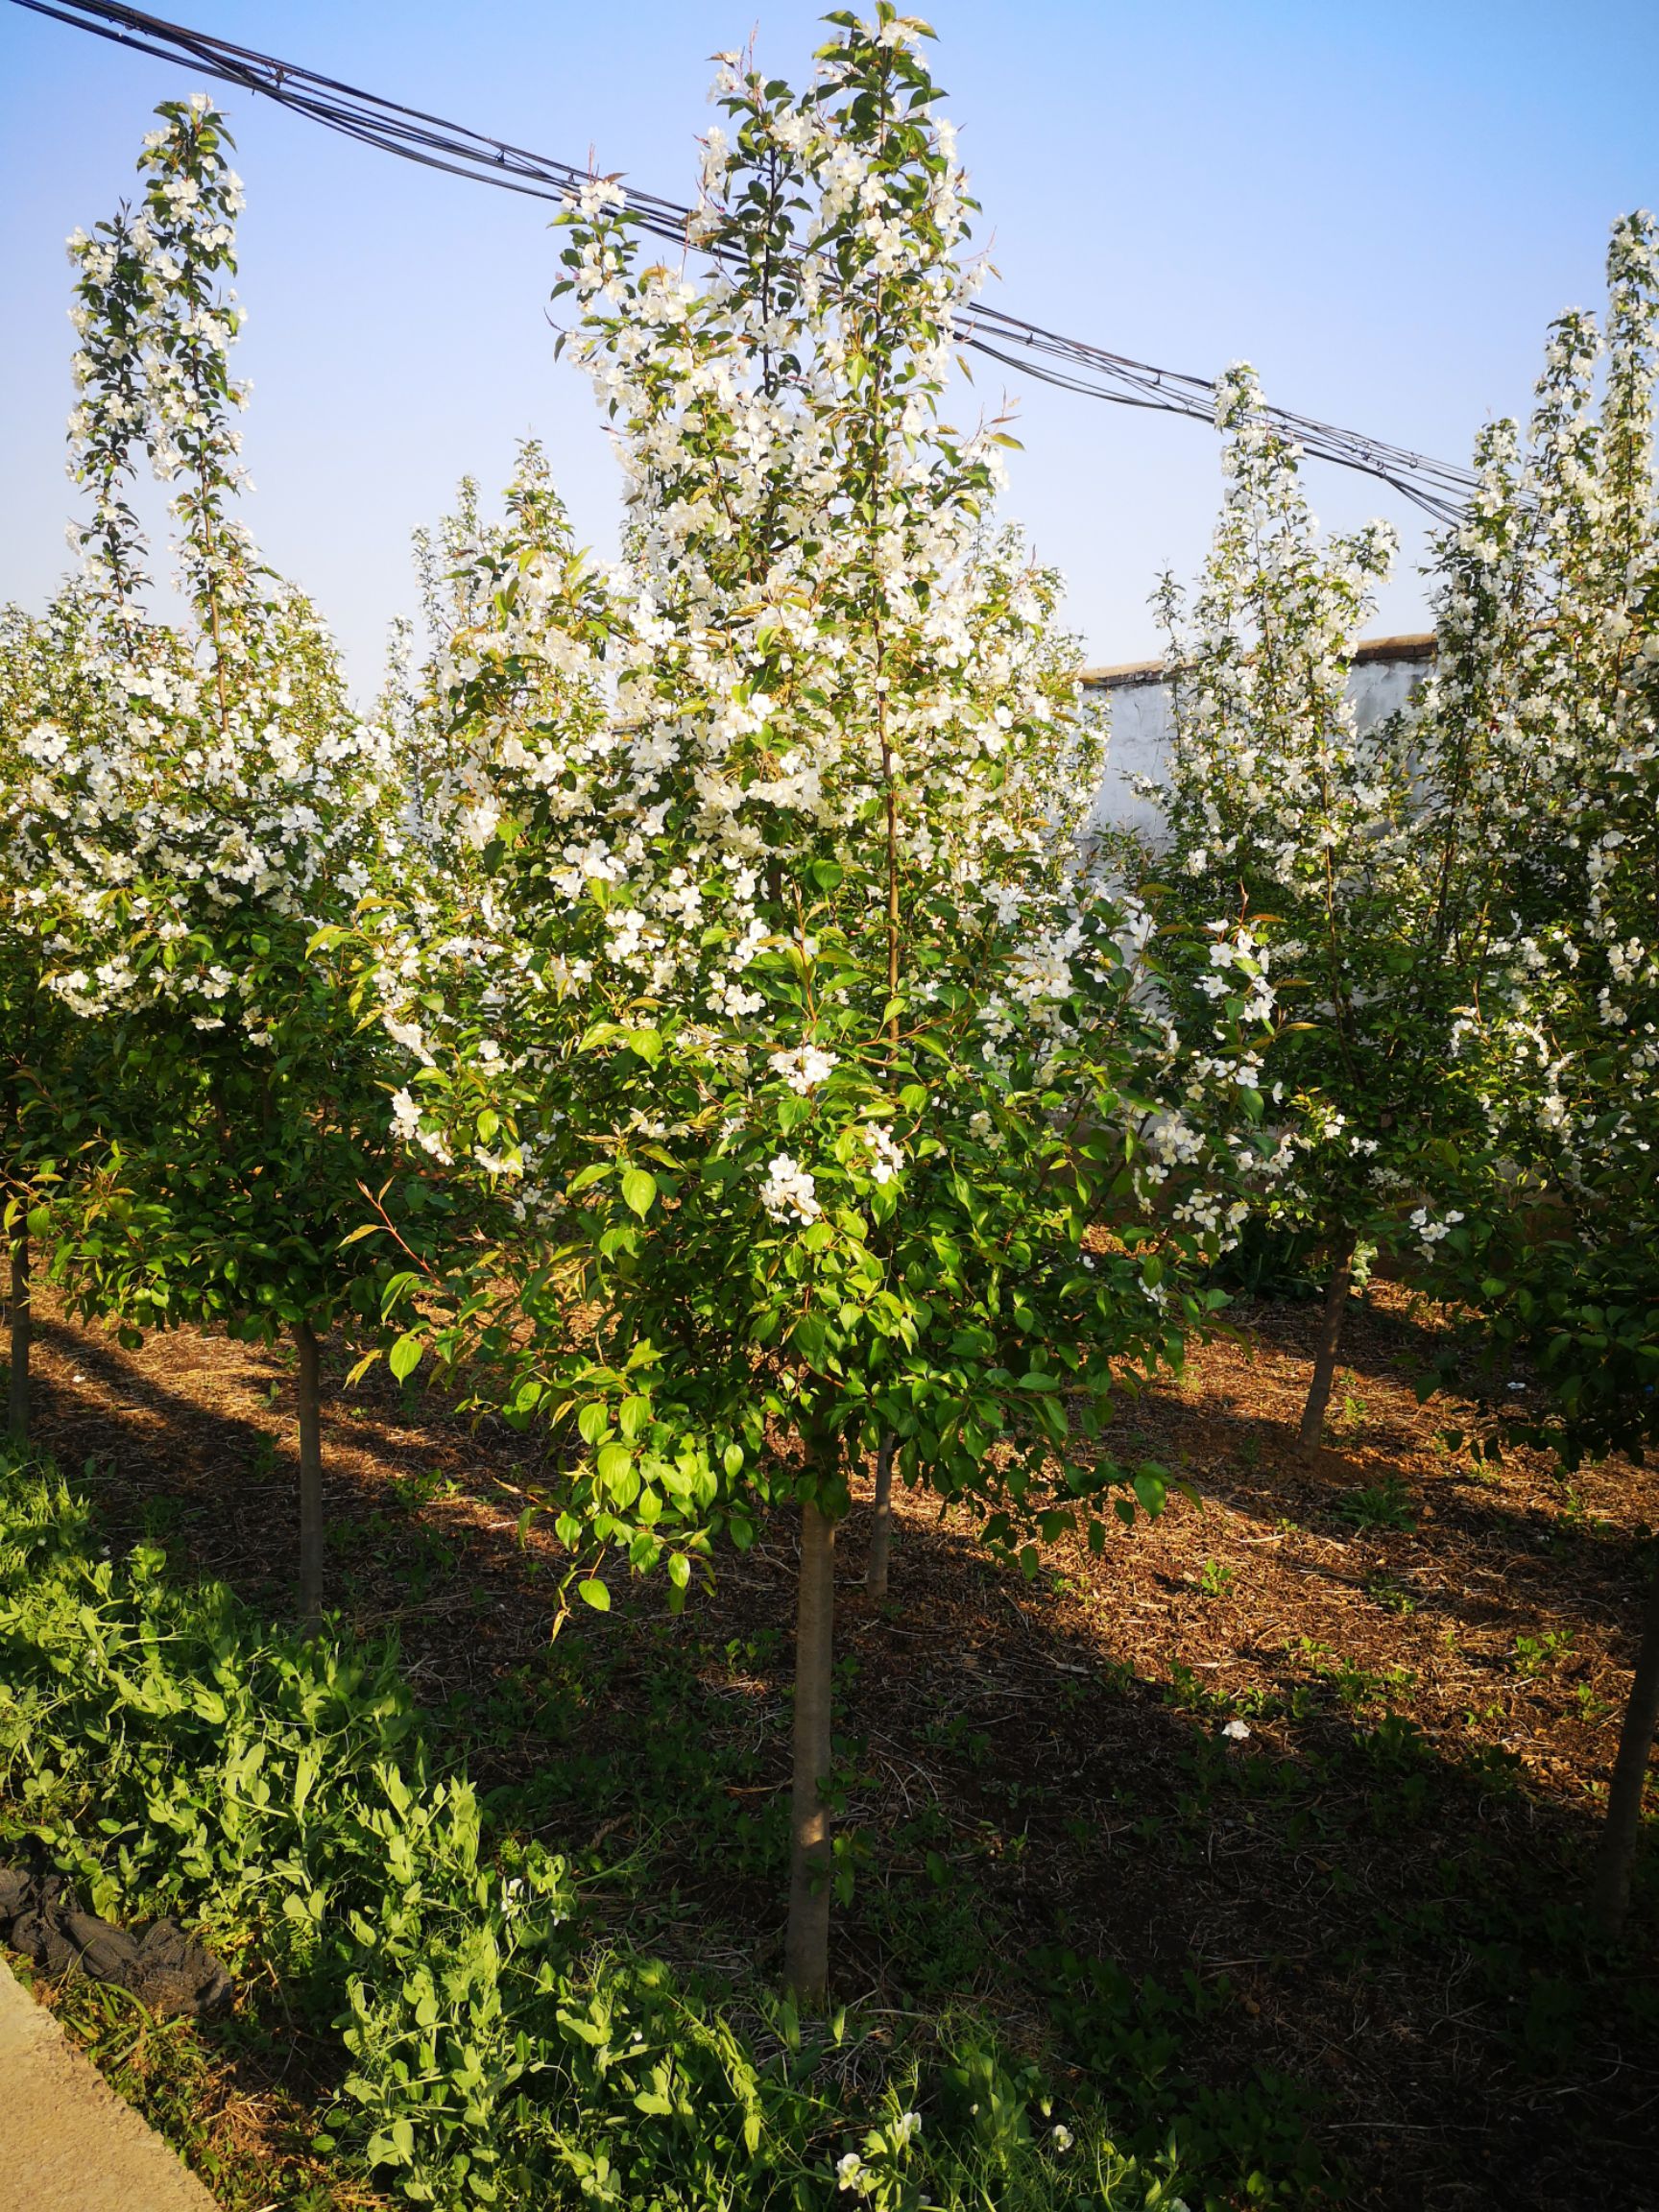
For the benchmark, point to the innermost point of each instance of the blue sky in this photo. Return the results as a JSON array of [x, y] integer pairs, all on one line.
[[1381, 206]]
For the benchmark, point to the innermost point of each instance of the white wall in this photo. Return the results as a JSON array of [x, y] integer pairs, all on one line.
[[1141, 731]]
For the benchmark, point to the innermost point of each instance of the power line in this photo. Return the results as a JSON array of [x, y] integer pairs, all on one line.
[[1071, 364]]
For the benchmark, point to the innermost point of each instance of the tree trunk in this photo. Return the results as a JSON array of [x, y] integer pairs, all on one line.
[[1616, 1855], [310, 1395], [882, 1524], [806, 1946], [17, 1394], [1329, 1337]]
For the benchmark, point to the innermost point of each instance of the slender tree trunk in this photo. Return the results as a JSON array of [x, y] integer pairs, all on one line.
[[1616, 1854], [882, 1524], [806, 1946], [1330, 1339], [22, 1331], [310, 1395]]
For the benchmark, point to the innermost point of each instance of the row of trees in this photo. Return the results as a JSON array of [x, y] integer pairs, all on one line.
[[688, 1007], [1465, 942]]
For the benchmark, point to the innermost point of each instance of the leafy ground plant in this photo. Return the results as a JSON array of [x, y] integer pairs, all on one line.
[[171, 1753], [1385, 1504]]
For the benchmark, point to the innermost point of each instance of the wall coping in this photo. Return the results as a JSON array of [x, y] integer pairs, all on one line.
[[1413, 645]]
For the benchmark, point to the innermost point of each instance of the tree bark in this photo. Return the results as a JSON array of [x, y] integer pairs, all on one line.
[[1616, 1854], [1329, 1337], [22, 1331], [882, 1524], [311, 1397], [806, 1945]]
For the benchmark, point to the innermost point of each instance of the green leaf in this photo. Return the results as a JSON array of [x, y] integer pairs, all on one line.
[[593, 1421], [638, 1189], [405, 1356], [307, 1768], [1151, 1488], [596, 1596], [635, 1415]]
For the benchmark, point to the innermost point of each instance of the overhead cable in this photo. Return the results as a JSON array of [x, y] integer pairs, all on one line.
[[1072, 364]]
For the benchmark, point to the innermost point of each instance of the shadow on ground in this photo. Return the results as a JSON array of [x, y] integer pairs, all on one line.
[[1357, 1921]]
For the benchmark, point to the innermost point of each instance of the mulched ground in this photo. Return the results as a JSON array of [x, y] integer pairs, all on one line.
[[1370, 1895]]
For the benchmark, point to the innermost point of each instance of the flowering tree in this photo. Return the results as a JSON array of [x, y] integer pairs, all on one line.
[[818, 1059], [223, 806], [62, 680], [1353, 841], [58, 1108], [1549, 651], [31, 658]]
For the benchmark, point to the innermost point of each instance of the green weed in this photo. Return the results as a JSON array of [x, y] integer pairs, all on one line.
[[1393, 1595], [1385, 1504], [1541, 1654]]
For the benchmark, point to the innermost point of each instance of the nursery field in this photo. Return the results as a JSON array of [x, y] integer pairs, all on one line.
[[506, 1184], [1266, 1830]]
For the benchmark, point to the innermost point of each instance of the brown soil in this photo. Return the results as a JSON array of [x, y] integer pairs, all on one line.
[[1372, 1891]]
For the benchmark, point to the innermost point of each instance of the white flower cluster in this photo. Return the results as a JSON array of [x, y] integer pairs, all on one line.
[[887, 1157], [861, 2173], [789, 1191], [804, 1068], [1430, 1232]]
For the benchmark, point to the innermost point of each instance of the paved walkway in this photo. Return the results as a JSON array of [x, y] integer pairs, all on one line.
[[67, 2143]]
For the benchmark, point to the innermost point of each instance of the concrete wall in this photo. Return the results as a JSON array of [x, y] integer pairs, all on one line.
[[1386, 672]]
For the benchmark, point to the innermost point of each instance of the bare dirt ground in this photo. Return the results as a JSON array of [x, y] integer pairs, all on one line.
[[1356, 1919]]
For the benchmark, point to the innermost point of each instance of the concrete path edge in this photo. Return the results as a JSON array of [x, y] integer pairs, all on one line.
[[68, 2142]]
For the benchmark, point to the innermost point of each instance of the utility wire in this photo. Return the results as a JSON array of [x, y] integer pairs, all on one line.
[[1071, 364]]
